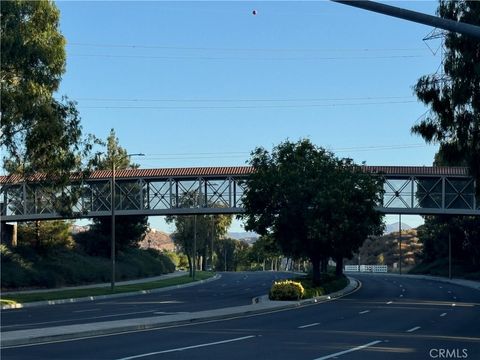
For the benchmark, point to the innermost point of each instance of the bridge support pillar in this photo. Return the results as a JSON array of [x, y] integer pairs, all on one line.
[[8, 233]]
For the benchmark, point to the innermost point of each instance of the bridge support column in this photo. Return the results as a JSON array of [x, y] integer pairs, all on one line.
[[8, 234]]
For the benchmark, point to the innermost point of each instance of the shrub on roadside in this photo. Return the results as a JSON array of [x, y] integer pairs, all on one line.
[[286, 290]]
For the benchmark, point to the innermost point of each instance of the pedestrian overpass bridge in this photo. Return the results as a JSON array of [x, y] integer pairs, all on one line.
[[219, 190]]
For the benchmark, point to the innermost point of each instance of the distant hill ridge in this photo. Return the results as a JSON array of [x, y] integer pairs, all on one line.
[[390, 228]]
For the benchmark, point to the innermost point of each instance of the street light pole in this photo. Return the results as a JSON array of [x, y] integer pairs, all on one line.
[[112, 202], [213, 236], [400, 241], [112, 242], [194, 246]]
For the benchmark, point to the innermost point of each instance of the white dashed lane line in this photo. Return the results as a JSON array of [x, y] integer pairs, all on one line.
[[388, 303], [308, 325], [364, 311], [413, 329], [443, 314], [349, 350]]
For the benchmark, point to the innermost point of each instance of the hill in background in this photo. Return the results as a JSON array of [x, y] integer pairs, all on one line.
[[390, 228], [158, 240], [384, 250]]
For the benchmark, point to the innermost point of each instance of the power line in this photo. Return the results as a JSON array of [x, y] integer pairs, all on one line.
[[199, 48], [245, 100], [243, 154], [243, 106], [248, 58]]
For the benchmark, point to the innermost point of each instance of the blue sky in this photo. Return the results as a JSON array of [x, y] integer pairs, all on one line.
[[204, 83]]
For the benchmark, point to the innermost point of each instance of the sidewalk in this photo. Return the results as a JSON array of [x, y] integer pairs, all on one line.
[[58, 333]]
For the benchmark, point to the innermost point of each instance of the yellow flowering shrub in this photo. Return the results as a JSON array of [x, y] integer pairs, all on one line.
[[286, 290]]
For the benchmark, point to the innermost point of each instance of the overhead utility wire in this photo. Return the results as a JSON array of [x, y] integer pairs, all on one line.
[[247, 58], [133, 46], [243, 106], [209, 155], [244, 100]]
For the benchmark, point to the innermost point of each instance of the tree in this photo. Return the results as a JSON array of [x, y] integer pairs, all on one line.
[[129, 230], [265, 249], [303, 197], [454, 95], [46, 235], [185, 232], [38, 132]]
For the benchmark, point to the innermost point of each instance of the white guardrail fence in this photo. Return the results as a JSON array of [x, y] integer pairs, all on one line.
[[366, 268]]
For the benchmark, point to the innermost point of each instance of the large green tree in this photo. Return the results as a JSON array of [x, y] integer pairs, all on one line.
[[39, 133], [309, 201], [453, 95]]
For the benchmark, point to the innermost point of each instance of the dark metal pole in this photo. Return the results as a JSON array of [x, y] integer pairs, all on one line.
[[213, 236], [194, 245], [435, 21], [449, 255], [112, 242], [400, 241]]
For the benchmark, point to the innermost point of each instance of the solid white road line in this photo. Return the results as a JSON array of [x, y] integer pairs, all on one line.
[[443, 314], [413, 329], [364, 311], [308, 325], [349, 350], [187, 348]]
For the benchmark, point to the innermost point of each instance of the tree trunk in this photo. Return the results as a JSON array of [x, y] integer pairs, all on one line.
[[190, 266], [315, 270], [204, 259], [339, 265], [37, 234], [324, 264]]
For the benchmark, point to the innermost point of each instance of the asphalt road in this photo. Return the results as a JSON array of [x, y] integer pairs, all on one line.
[[388, 317], [232, 289]]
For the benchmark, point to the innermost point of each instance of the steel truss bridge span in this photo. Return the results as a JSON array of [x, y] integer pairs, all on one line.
[[219, 190]]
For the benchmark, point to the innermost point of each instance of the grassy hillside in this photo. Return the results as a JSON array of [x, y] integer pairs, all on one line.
[[24, 268]]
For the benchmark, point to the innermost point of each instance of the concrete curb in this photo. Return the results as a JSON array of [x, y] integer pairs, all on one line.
[[103, 297], [70, 332]]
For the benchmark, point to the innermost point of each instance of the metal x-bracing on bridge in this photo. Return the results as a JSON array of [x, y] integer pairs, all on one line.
[[219, 190]]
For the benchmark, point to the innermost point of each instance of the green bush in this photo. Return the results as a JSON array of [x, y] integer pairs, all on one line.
[[286, 290]]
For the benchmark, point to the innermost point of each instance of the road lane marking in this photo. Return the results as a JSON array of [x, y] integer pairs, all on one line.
[[413, 329], [349, 350], [364, 311], [403, 290], [443, 314], [388, 303], [82, 311], [308, 325], [401, 295], [187, 348]]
